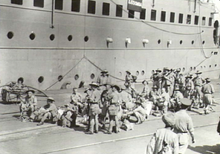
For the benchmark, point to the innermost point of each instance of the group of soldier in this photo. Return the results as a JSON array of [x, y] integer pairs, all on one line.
[[123, 105]]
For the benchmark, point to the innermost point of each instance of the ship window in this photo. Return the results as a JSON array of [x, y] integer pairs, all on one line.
[[39, 3], [172, 16], [76, 77], [32, 36], [119, 9], [91, 7], [192, 42], [19, 2], [215, 65], [137, 73], [10, 35], [40, 79], [76, 6], [163, 16], [159, 41], [60, 78], [142, 72], [201, 67], [180, 18], [143, 14], [203, 21], [153, 15], [52, 37], [105, 9], [181, 42], [196, 22], [130, 14], [183, 69], [59, 4], [86, 38], [203, 42], [70, 37], [92, 76], [210, 21], [188, 19], [210, 66]]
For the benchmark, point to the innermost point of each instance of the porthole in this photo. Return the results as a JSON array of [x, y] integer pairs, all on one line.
[[194, 68], [137, 73], [32, 36], [215, 65], [52, 37], [203, 42], [76, 77], [201, 66], [60, 78], [159, 41], [40, 79], [92, 76], [192, 42], [204, 66], [86, 38], [191, 68], [181, 42], [142, 72], [210, 66], [10, 35], [70, 37]]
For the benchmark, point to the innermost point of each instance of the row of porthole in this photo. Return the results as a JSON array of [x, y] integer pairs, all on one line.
[[32, 36], [92, 76]]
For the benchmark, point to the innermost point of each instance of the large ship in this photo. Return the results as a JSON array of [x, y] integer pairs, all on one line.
[[48, 43]]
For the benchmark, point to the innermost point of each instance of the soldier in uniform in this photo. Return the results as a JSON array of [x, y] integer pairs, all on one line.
[[94, 109], [29, 104], [103, 78], [76, 99], [198, 83], [128, 78], [146, 90], [167, 81], [113, 109], [49, 113], [164, 140], [207, 90], [183, 126], [189, 87]]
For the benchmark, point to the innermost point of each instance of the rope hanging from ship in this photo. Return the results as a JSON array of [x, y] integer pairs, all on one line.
[[146, 23], [84, 57]]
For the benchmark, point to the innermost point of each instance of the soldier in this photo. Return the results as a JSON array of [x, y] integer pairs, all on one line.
[[76, 99], [154, 94], [146, 89], [105, 101], [183, 126], [164, 140], [207, 90], [113, 109], [103, 78], [175, 101], [49, 113], [189, 87], [94, 109], [198, 83], [29, 104], [128, 78], [167, 81]]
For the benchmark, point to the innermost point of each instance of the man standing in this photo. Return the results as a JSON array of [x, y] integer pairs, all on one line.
[[94, 110], [50, 112], [207, 90], [114, 109], [164, 140], [198, 83], [183, 126], [103, 78]]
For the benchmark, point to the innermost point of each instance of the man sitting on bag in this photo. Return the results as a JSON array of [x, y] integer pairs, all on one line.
[[48, 112]]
